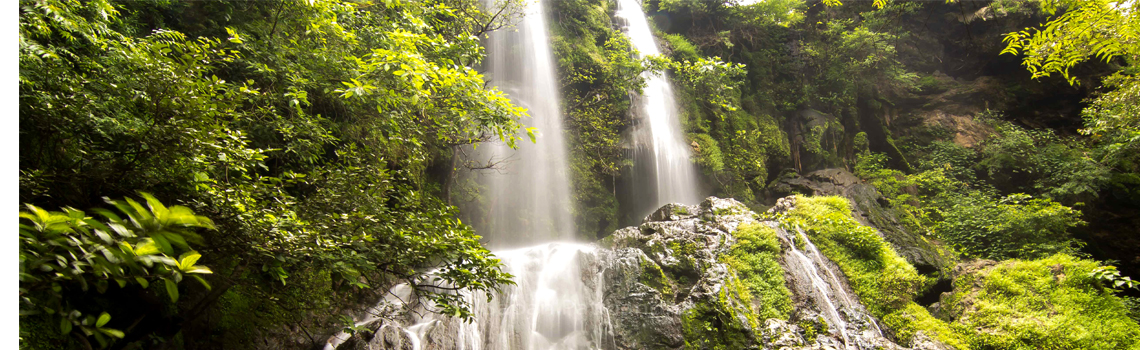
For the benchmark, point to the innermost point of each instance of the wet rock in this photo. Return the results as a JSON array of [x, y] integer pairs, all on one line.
[[666, 280], [921, 341]]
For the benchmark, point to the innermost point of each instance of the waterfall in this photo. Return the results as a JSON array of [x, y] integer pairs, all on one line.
[[526, 198], [660, 155], [555, 304]]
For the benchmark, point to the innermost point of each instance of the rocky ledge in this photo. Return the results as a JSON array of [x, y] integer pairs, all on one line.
[[679, 281]]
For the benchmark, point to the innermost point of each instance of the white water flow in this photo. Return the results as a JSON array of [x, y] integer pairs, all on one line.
[[823, 290], [527, 195], [660, 152], [555, 305]]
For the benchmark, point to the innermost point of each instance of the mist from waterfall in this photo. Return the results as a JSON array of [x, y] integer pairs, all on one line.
[[525, 192], [662, 170]]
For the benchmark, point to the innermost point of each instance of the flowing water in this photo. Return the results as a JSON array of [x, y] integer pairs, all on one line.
[[558, 300], [823, 291], [555, 304], [660, 154], [525, 197]]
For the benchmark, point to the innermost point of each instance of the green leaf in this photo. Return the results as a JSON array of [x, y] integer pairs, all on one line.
[[202, 281], [187, 260], [103, 319], [199, 269], [64, 326], [172, 289], [115, 333], [143, 282], [530, 133], [146, 247]]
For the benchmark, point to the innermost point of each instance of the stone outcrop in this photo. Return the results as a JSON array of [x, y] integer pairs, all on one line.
[[664, 284]]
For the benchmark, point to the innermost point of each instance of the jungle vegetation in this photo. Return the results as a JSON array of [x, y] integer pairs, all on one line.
[[202, 174]]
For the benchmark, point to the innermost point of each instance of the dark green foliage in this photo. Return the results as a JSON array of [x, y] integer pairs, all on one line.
[[1016, 226], [1016, 159], [972, 218], [598, 70]]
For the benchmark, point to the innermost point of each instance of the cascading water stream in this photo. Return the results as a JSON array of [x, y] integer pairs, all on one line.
[[555, 305], [526, 198], [660, 154], [823, 290], [556, 302]]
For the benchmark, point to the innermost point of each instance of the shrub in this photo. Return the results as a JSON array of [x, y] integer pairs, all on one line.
[[63, 255], [1017, 226]]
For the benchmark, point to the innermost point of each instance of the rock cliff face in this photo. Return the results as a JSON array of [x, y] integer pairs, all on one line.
[[665, 284]]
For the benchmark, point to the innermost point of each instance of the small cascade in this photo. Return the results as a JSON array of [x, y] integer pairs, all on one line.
[[662, 169], [823, 290], [814, 276], [556, 304]]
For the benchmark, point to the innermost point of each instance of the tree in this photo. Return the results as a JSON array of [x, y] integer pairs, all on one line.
[[1108, 30], [308, 131]]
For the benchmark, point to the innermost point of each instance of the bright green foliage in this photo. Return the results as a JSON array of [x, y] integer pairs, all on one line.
[[883, 280], [715, 79], [754, 257], [1052, 303], [1113, 119], [312, 132], [1112, 278], [1104, 29], [68, 252]]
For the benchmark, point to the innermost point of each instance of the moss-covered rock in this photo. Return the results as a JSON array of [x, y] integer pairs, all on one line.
[[870, 208]]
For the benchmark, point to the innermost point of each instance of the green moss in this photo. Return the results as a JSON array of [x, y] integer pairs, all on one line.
[[813, 328], [680, 210], [883, 280], [707, 153], [682, 49], [1050, 303], [754, 259], [714, 325], [42, 332], [683, 248], [653, 276], [912, 318]]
